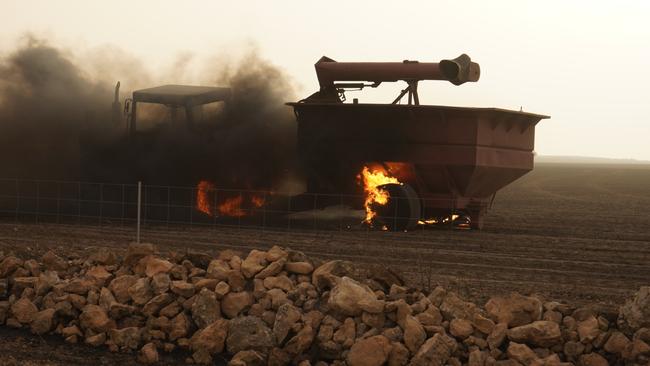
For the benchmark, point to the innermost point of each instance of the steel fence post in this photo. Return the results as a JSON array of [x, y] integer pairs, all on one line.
[[38, 200], [17, 199], [137, 237]]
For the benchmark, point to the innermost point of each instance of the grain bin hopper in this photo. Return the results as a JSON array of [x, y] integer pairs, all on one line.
[[454, 158]]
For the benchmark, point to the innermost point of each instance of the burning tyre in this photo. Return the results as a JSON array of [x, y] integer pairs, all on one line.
[[402, 209]]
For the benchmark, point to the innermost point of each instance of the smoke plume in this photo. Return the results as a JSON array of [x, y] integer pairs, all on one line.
[[57, 121]]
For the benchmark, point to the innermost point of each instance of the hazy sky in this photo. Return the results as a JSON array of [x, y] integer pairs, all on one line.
[[585, 63]]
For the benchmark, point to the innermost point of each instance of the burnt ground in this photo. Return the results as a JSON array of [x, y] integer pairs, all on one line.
[[575, 233]]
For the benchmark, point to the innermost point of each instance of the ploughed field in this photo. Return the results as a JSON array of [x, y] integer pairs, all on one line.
[[576, 233]]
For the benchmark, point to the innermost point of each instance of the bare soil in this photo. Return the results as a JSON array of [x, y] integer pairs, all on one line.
[[574, 233]]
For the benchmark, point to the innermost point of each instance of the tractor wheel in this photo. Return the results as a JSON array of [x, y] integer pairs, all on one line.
[[403, 209]]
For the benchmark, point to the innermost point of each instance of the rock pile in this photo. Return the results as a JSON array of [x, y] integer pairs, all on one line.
[[278, 307]]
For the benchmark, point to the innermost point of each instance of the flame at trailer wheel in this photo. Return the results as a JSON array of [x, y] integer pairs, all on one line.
[[232, 207], [371, 179], [203, 191]]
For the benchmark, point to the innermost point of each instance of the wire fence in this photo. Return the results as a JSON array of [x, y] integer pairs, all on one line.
[[84, 203]]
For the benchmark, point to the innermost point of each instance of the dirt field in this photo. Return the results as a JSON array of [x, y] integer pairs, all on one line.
[[567, 232], [575, 233]]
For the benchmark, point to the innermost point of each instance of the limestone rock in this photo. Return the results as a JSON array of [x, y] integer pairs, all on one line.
[[254, 263], [515, 309], [435, 351], [593, 359], [24, 310], [461, 328], [286, 316], [43, 321], [248, 358], [206, 309], [53, 262], [635, 313], [328, 275], [120, 287], [235, 303], [148, 354], [372, 351], [540, 333], [94, 317], [210, 339], [347, 294], [127, 338], [141, 291], [182, 288], [249, 333], [9, 265], [304, 268], [521, 353], [299, 343], [136, 251], [414, 334]]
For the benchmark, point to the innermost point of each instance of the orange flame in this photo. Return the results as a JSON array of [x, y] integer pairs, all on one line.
[[203, 191], [371, 178], [232, 207], [257, 201]]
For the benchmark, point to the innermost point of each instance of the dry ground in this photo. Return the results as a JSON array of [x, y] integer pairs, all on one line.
[[567, 232]]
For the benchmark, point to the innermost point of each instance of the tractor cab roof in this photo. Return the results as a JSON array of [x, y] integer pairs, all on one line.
[[182, 95]]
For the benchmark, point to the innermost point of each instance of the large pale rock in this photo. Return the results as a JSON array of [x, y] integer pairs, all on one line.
[[541, 333], [148, 354], [218, 269], [286, 316], [99, 275], [515, 309], [155, 266], [180, 327], [435, 351], [94, 317], [372, 351], [414, 334], [156, 303], [254, 263], [248, 358], [299, 343], [452, 306], [276, 253], [43, 321], [461, 328], [521, 353], [593, 359], [182, 288], [347, 294], [329, 274], [617, 343], [9, 265], [497, 336], [303, 268], [141, 291], [103, 256], [210, 339], [635, 313], [272, 269], [249, 332], [24, 310], [206, 309], [120, 287], [53, 262], [136, 251], [588, 329], [127, 338], [234, 303]]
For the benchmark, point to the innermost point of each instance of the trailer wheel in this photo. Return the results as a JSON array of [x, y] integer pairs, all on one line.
[[403, 210]]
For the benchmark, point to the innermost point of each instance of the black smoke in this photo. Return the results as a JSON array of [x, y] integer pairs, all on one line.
[[57, 122]]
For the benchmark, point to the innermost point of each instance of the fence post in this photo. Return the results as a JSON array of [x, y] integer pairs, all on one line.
[[137, 237], [17, 199]]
